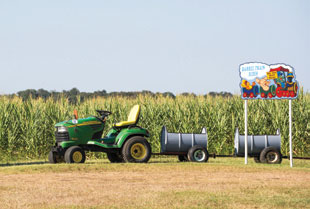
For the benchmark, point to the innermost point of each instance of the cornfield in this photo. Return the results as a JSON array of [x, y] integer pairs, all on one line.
[[27, 127]]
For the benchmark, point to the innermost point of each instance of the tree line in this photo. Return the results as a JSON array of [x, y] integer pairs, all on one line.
[[74, 94]]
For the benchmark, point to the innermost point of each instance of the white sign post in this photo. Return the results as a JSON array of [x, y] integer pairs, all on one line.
[[291, 143], [246, 131], [263, 81]]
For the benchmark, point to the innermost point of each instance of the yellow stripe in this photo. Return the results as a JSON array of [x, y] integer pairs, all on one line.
[[86, 123]]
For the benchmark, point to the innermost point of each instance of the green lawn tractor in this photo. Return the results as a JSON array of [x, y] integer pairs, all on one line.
[[125, 142]]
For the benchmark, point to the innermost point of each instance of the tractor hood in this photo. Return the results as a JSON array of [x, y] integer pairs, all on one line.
[[80, 122], [69, 134]]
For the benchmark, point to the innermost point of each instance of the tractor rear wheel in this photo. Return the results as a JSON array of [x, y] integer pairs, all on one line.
[[75, 154], [198, 154], [136, 150], [270, 155], [115, 157]]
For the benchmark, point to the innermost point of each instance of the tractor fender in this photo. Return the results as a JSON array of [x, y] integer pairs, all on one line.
[[128, 133], [67, 144]]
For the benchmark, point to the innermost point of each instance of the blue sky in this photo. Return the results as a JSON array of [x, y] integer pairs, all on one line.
[[160, 45]]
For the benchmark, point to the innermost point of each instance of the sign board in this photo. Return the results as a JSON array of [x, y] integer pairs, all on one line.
[[272, 75], [262, 81]]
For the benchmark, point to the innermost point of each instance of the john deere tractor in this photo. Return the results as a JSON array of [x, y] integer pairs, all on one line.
[[125, 142]]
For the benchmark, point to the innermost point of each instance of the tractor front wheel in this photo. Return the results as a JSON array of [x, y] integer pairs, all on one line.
[[136, 150], [75, 154], [53, 158]]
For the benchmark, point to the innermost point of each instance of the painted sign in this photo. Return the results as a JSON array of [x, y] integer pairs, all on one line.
[[262, 81]]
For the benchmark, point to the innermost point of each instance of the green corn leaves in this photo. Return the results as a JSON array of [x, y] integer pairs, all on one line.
[[27, 128]]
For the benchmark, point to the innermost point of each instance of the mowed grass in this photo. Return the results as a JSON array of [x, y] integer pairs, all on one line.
[[161, 183]]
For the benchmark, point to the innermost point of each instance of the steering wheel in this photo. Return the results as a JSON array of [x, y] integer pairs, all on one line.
[[103, 112]]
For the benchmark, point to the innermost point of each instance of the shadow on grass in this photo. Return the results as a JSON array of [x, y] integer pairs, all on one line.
[[20, 164], [86, 163]]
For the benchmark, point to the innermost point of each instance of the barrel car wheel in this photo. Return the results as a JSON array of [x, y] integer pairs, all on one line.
[[270, 155], [198, 154]]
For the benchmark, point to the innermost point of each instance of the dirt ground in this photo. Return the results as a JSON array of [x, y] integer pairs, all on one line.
[[217, 184]]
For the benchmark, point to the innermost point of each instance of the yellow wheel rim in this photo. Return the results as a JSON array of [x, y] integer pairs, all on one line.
[[77, 156], [138, 151]]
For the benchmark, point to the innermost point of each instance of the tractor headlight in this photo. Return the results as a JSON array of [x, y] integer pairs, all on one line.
[[62, 129]]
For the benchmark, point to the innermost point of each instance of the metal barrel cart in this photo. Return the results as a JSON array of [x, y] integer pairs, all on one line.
[[264, 148], [187, 146]]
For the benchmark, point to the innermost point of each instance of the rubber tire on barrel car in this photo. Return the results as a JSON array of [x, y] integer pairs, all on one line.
[[54, 158], [198, 154], [136, 150], [182, 158], [115, 157], [267, 153], [75, 154], [256, 159]]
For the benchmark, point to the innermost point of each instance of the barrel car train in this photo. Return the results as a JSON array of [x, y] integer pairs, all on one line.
[[126, 142]]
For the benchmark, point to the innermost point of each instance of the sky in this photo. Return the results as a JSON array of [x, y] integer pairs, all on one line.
[[158, 45]]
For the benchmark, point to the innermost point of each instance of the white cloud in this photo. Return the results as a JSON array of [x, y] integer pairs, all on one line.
[[253, 70]]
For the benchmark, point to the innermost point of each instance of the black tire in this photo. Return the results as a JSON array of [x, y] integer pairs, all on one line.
[[115, 157], [256, 159], [198, 154], [183, 158], [136, 150], [53, 158], [75, 154], [270, 155]]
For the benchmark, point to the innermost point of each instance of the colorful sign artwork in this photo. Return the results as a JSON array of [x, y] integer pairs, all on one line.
[[262, 81]]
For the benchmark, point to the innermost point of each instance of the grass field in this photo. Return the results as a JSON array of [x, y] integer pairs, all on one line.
[[27, 133], [162, 183]]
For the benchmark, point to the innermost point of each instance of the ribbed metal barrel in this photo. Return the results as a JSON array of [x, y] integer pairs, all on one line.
[[256, 143], [182, 142]]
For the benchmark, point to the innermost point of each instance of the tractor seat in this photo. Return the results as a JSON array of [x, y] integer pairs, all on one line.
[[133, 118]]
